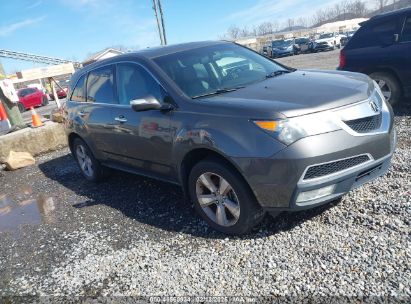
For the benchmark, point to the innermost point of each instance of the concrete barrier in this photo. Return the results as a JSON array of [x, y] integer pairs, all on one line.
[[36, 141]]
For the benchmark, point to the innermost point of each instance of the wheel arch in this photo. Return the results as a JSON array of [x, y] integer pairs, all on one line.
[[196, 155], [386, 70]]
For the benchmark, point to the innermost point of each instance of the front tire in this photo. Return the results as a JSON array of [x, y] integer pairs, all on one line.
[[222, 198], [90, 167], [389, 86]]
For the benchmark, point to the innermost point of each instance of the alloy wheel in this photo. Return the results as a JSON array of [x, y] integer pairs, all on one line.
[[385, 89], [218, 199], [84, 160]]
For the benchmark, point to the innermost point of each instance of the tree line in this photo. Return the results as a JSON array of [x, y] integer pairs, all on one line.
[[344, 10]]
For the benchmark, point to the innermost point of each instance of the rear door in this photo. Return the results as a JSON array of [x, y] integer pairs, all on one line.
[[101, 100], [404, 50], [31, 97]]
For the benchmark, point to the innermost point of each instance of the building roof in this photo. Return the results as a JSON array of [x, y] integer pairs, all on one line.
[[100, 54]]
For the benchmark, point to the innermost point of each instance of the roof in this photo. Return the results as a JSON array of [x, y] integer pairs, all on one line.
[[393, 13], [174, 48], [149, 53]]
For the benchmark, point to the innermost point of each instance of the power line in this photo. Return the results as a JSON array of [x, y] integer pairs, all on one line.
[[35, 58]]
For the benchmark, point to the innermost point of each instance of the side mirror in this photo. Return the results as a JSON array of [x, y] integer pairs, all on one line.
[[145, 104], [149, 103]]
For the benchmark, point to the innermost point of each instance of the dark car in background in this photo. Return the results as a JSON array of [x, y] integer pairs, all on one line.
[[381, 48], [302, 45], [346, 37], [229, 126], [61, 93], [282, 48], [31, 97]]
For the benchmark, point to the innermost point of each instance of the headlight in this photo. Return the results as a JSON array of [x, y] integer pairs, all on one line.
[[378, 95], [290, 130]]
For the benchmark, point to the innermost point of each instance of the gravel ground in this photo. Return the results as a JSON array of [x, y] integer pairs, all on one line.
[[322, 60], [133, 236]]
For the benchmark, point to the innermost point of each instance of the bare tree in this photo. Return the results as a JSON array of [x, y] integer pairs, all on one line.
[[302, 21], [381, 4], [290, 24], [233, 32], [265, 28]]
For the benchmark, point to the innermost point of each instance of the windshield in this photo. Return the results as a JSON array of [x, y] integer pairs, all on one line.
[[215, 69], [329, 35], [281, 43]]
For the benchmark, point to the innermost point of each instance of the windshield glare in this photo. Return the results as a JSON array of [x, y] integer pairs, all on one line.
[[210, 69]]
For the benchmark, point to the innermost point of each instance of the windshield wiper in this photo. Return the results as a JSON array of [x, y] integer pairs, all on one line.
[[277, 73], [218, 91]]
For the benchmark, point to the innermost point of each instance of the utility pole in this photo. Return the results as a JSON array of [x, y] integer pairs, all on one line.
[[158, 12], [162, 22]]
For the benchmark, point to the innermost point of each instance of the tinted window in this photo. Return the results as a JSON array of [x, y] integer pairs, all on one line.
[[79, 92], [406, 32], [134, 82], [100, 86], [374, 34], [208, 69]]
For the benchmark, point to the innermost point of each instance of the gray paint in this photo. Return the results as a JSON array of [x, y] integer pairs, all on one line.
[[154, 143]]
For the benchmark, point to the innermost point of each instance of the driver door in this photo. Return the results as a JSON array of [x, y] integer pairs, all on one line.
[[144, 138]]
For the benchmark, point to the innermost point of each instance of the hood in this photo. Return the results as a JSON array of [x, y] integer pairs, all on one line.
[[298, 93]]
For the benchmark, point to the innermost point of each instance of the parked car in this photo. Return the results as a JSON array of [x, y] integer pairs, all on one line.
[[302, 45], [381, 48], [240, 144], [345, 38], [61, 93], [31, 97], [327, 41], [282, 48]]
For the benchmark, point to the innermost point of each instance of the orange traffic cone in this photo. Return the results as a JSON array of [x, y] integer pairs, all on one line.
[[35, 118]]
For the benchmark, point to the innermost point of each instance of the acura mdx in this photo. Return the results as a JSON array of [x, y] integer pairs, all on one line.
[[241, 134]]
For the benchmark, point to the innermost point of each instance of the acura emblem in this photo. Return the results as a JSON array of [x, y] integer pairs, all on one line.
[[374, 107]]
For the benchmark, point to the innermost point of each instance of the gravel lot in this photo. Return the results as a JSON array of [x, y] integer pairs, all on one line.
[[133, 236]]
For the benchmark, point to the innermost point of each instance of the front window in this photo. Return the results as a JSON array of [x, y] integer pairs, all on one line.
[[214, 69], [325, 36]]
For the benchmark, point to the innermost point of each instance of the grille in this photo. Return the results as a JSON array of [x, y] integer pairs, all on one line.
[[366, 124], [333, 167]]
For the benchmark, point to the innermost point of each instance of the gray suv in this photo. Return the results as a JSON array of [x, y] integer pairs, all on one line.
[[241, 134]]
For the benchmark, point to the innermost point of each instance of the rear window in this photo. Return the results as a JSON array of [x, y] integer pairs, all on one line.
[[78, 92], [373, 34], [406, 31], [100, 86]]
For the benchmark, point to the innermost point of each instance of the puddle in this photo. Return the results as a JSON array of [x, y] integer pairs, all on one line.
[[31, 211]]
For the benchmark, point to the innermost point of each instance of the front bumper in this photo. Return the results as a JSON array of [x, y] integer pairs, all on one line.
[[277, 181]]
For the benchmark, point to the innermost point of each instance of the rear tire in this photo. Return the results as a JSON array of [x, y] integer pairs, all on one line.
[[44, 101], [21, 107], [231, 209], [90, 167], [389, 86]]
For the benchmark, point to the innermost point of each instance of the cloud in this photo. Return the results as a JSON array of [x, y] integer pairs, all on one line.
[[35, 4], [11, 28]]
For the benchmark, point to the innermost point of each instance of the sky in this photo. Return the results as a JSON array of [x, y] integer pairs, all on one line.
[[74, 29]]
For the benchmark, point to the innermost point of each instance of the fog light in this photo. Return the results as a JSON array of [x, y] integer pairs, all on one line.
[[314, 194]]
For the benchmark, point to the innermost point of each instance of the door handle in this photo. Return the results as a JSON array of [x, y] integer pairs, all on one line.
[[120, 118], [82, 114]]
